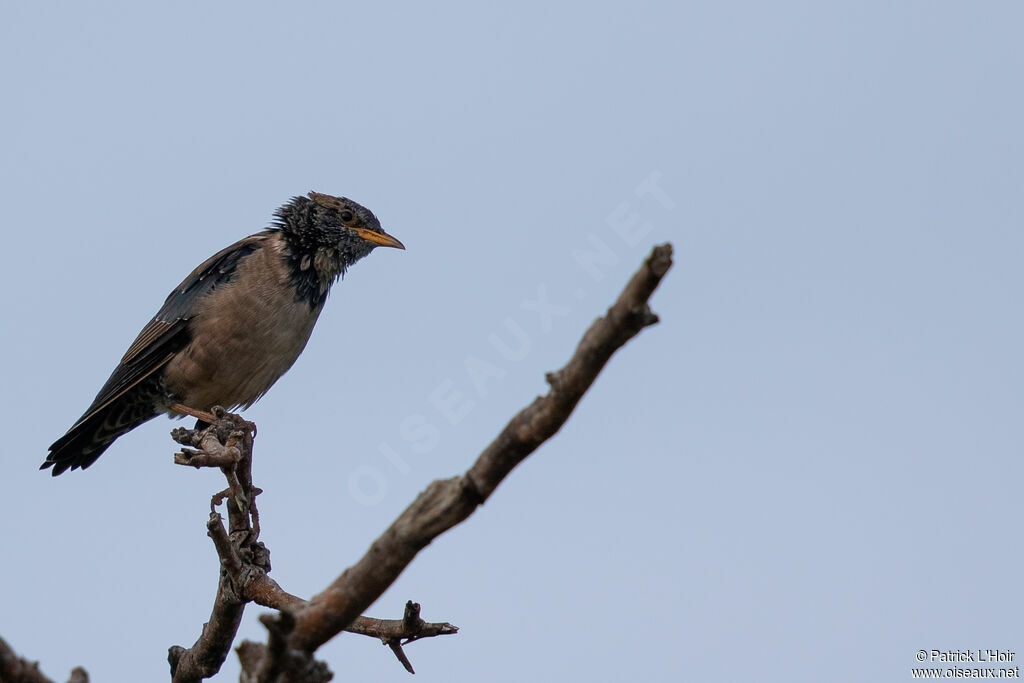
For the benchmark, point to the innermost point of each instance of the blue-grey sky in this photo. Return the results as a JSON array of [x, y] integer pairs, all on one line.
[[810, 470]]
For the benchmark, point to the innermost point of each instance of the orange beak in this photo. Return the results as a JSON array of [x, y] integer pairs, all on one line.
[[381, 238]]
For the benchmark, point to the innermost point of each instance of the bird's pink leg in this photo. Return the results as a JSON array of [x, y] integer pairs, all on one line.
[[208, 418]]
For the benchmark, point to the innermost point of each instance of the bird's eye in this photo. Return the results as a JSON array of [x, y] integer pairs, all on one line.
[[347, 216]]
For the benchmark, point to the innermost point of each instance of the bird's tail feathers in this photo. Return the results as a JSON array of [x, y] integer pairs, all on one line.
[[86, 441]]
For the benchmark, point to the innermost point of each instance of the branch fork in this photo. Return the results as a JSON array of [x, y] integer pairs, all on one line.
[[227, 444]]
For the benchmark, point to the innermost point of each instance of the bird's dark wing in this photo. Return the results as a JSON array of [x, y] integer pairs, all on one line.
[[166, 334]]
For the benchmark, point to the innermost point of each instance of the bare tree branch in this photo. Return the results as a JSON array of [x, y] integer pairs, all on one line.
[[206, 656], [244, 561], [15, 669], [79, 675], [447, 502], [409, 628], [244, 571], [391, 632]]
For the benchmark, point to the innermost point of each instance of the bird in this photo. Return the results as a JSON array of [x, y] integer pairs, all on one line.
[[232, 328]]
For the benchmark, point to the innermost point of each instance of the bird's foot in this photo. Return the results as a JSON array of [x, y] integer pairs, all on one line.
[[238, 419], [212, 451], [225, 443], [220, 436]]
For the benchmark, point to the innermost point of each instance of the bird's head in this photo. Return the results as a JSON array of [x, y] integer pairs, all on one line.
[[322, 220], [327, 234]]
